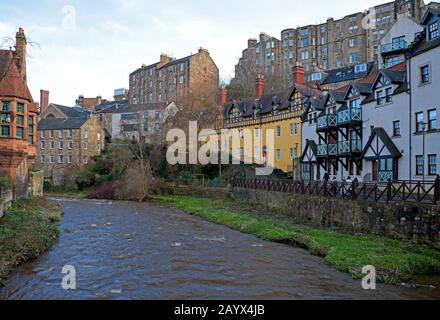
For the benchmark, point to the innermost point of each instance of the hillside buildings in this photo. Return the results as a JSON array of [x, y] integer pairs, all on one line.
[[18, 117], [382, 127], [370, 121], [355, 39]]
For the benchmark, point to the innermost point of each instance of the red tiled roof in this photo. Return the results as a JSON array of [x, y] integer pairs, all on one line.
[[398, 67], [11, 82]]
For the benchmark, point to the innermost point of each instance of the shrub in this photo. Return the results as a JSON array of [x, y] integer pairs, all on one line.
[[107, 190], [5, 182], [186, 178]]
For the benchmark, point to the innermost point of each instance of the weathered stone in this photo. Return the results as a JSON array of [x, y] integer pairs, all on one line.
[[415, 222]]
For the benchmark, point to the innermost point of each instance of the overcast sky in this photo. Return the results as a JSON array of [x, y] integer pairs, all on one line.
[[90, 47]]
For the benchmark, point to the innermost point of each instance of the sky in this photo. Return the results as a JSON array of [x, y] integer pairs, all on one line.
[[90, 47]]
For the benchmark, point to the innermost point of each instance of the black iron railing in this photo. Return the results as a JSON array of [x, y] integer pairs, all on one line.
[[405, 191]]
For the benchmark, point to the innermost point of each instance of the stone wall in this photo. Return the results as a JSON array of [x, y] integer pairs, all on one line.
[[416, 222], [36, 180], [6, 198]]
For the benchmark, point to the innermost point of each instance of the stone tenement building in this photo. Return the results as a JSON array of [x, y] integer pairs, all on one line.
[[182, 80], [262, 56], [67, 139], [352, 40], [18, 117]]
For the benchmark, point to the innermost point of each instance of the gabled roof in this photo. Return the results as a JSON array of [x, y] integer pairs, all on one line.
[[428, 13], [61, 124], [387, 141], [312, 145], [11, 82]]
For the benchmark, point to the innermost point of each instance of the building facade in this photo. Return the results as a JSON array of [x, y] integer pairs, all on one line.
[[127, 122], [18, 117], [68, 138], [261, 56], [383, 127], [352, 40], [266, 130], [178, 80]]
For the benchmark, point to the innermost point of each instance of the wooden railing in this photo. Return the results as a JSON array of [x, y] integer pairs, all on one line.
[[403, 191]]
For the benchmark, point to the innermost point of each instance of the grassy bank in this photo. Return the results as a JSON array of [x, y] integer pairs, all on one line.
[[395, 261], [28, 229], [62, 191]]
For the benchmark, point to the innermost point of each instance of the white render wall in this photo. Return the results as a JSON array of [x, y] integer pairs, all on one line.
[[404, 26], [383, 117], [424, 98]]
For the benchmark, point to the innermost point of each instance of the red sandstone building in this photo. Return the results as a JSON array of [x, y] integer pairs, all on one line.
[[18, 117]]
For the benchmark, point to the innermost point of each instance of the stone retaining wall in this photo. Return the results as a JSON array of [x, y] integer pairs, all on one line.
[[416, 222], [5, 201]]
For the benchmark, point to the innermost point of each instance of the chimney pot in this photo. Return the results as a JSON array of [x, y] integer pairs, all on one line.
[[222, 96], [44, 100], [298, 73], [259, 86]]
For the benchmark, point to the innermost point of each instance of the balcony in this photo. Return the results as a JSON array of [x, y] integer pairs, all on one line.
[[327, 150], [395, 46], [326, 122], [348, 147], [349, 116]]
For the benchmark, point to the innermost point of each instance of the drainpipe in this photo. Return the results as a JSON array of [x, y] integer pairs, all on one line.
[[410, 119]]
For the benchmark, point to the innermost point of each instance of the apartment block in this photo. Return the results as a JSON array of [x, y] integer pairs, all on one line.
[[336, 43], [261, 56], [180, 80]]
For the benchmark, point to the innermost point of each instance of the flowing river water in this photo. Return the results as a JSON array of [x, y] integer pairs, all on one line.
[[125, 250]]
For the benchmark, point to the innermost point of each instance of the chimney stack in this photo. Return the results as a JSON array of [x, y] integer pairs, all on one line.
[[44, 100], [222, 96], [298, 73], [259, 86], [20, 52]]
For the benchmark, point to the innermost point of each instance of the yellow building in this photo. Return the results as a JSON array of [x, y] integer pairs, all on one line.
[[253, 124]]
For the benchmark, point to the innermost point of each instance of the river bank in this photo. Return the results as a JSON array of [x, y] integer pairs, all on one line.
[[395, 261], [142, 250], [28, 228]]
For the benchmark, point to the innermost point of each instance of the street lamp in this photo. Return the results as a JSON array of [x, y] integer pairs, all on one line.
[[423, 125]]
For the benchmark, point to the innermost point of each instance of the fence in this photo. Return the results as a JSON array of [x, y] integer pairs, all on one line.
[[406, 191]]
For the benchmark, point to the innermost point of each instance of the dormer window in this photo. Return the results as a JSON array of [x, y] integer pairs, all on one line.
[[433, 30]]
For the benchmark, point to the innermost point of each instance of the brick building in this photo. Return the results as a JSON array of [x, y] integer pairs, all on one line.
[[352, 40], [67, 140], [18, 117], [176, 80]]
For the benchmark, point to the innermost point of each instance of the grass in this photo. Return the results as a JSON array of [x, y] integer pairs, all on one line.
[[27, 230], [395, 261], [62, 191]]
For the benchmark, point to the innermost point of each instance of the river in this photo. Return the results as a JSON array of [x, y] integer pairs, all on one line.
[[126, 250]]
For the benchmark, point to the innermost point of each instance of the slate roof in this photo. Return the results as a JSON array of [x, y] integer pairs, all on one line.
[[123, 106], [266, 103], [11, 82], [345, 74], [61, 124], [72, 112]]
